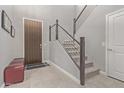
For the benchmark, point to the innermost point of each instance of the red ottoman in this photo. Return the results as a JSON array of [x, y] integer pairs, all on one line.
[[17, 61], [14, 73]]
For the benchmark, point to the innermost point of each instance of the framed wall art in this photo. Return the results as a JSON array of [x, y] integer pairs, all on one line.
[[5, 22], [12, 31]]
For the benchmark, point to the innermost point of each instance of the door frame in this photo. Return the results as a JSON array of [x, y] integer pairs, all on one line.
[[107, 38], [38, 20]]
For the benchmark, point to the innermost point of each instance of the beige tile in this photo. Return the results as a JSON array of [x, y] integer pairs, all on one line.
[[51, 77]]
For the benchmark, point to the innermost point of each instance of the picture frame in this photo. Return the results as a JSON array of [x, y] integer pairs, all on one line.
[[12, 31], [5, 22]]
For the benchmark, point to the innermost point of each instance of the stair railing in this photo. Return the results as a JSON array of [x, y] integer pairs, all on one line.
[[80, 44], [76, 19]]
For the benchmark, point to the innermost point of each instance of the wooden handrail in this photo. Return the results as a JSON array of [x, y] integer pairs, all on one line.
[[53, 25], [68, 34], [80, 13]]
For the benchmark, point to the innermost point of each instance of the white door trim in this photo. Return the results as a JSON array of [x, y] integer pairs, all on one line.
[[107, 35]]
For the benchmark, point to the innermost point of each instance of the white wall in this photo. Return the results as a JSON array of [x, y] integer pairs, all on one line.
[[48, 14], [7, 44], [78, 9], [88, 10], [94, 31], [62, 59], [93, 28], [14, 47]]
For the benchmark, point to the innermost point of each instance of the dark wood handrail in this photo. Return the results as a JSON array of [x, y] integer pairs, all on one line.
[[53, 25], [80, 13], [68, 34]]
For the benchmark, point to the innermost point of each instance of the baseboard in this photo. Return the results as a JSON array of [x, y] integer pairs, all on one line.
[[103, 73], [49, 62], [2, 86], [65, 72]]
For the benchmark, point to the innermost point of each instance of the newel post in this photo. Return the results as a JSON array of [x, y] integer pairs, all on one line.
[[49, 33], [82, 60], [74, 27], [57, 29]]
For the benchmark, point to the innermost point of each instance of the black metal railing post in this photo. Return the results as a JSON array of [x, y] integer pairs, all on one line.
[[82, 60], [57, 29], [74, 28], [49, 33]]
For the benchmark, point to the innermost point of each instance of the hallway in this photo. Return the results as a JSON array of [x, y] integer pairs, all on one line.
[[52, 77]]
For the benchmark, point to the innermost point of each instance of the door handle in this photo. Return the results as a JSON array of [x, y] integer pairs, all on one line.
[[40, 45]]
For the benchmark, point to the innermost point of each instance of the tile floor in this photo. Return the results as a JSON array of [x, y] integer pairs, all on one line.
[[52, 77]]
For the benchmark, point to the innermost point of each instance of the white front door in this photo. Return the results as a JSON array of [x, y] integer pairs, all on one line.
[[115, 45]]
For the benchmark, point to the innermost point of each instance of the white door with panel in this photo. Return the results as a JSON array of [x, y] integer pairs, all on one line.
[[115, 45]]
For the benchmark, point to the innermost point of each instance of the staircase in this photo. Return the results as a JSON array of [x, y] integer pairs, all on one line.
[[75, 49], [74, 52]]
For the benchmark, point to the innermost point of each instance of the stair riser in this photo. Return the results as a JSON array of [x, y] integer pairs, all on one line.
[[76, 60], [91, 74], [87, 65], [71, 47], [73, 54], [72, 50], [69, 50], [68, 44]]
